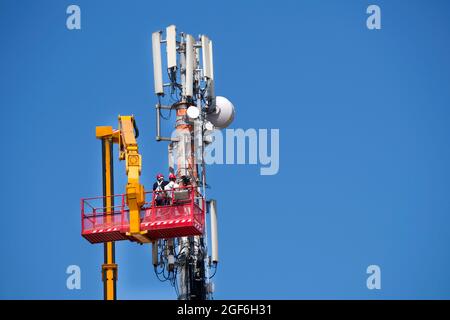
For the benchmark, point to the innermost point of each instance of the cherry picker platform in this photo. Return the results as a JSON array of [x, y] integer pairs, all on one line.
[[182, 214]]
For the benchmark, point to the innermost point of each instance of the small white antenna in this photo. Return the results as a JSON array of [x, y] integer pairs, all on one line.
[[189, 66], [157, 65], [208, 71], [171, 46], [210, 52], [206, 57]]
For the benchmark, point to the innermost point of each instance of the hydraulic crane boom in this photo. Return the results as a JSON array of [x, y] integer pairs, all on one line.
[[135, 193]]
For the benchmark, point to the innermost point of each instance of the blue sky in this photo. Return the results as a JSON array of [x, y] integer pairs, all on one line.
[[363, 144]]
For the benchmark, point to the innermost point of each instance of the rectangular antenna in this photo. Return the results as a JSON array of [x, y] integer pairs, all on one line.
[[189, 65], [206, 57], [157, 66], [171, 47], [211, 67]]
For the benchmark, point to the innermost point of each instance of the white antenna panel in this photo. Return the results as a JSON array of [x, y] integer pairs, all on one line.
[[171, 46], [210, 52], [157, 66], [206, 57], [189, 65]]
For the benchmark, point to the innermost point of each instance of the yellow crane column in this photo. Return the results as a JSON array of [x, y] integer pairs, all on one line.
[[109, 267]]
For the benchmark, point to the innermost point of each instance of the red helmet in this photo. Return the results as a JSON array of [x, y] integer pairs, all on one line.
[[159, 175], [172, 176]]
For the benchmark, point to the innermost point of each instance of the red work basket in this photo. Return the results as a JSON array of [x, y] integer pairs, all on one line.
[[180, 214]]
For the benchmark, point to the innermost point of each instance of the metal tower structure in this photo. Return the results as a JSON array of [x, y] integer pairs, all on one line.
[[189, 90]]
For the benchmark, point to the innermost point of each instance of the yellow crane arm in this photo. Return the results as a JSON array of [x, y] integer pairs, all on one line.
[[135, 194]]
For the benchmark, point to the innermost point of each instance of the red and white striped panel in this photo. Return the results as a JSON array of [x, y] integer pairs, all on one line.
[[168, 222]]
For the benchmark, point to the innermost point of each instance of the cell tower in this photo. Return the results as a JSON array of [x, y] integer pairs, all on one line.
[[190, 90], [171, 219]]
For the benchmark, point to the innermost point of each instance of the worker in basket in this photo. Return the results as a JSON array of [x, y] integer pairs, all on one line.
[[158, 189], [183, 193], [169, 188], [185, 182]]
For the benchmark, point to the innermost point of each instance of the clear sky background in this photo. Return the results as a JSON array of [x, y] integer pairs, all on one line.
[[364, 144]]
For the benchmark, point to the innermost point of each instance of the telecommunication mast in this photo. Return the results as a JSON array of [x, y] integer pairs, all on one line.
[[190, 92]]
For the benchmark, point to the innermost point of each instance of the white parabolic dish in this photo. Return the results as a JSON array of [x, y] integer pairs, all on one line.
[[223, 116]]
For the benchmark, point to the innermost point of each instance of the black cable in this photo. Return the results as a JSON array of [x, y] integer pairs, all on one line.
[[177, 292], [168, 117], [181, 251], [215, 270], [174, 100], [173, 81], [164, 275], [158, 272], [157, 276]]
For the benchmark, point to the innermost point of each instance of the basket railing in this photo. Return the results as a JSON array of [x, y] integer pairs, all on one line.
[[179, 201]]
